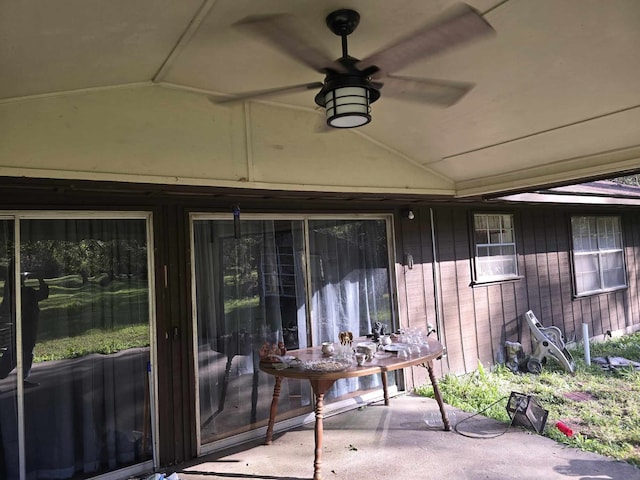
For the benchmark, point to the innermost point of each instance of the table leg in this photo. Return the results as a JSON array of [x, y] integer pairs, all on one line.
[[273, 411], [254, 390], [319, 389], [385, 388], [436, 393], [225, 383], [319, 430]]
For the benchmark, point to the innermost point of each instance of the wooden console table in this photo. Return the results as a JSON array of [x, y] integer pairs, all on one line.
[[322, 381]]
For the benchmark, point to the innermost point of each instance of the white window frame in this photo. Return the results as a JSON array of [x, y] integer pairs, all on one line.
[[599, 251], [502, 237]]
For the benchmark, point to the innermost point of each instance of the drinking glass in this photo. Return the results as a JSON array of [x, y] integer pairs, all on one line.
[[403, 354]]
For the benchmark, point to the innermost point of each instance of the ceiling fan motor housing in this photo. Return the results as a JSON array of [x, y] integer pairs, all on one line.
[[343, 22]]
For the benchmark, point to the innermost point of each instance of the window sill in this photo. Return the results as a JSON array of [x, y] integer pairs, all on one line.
[[484, 283], [593, 293]]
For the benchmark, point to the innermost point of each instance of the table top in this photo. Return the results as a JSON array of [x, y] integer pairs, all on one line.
[[375, 365]]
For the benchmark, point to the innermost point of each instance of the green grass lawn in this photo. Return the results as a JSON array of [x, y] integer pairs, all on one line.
[[73, 308], [605, 420], [97, 316], [92, 341]]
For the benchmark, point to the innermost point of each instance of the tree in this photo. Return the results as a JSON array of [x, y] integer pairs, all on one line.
[[633, 180]]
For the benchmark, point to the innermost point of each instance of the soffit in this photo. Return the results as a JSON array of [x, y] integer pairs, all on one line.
[[556, 96]]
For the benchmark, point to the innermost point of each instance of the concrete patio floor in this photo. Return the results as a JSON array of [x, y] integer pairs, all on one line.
[[378, 442]]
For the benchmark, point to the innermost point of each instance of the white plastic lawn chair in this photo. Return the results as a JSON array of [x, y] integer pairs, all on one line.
[[549, 343]]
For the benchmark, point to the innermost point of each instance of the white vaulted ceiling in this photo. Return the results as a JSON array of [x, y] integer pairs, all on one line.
[[121, 89]]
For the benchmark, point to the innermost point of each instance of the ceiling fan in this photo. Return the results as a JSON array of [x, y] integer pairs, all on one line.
[[351, 85]]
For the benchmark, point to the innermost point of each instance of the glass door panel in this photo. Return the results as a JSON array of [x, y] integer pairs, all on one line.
[[350, 285], [9, 458], [249, 284], [85, 347]]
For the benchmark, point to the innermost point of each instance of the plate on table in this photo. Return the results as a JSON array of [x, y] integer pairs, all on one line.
[[382, 355], [396, 347], [326, 366]]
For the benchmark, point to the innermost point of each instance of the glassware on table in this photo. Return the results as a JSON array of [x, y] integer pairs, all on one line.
[[424, 346], [412, 339], [344, 352], [403, 354], [326, 365]]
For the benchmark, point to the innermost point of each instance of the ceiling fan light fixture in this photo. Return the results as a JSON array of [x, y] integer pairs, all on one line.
[[348, 107], [347, 99]]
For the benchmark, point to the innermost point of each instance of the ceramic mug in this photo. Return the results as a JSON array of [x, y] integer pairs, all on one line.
[[328, 348]]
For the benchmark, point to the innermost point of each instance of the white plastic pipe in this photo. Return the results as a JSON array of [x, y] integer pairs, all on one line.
[[585, 340]]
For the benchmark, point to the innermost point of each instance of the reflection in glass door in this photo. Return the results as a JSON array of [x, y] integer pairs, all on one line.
[[80, 349], [9, 458]]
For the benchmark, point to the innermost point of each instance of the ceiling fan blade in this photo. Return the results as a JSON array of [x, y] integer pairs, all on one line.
[[438, 92], [265, 93], [458, 25], [282, 31]]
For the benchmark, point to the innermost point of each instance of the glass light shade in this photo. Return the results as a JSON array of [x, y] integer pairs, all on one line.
[[347, 107]]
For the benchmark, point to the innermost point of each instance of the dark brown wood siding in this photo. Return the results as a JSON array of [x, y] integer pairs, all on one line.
[[415, 284], [475, 320]]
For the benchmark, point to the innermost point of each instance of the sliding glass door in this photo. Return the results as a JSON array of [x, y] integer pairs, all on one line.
[[295, 280], [75, 312], [249, 285], [9, 435]]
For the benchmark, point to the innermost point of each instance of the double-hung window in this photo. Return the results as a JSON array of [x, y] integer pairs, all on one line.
[[598, 258], [494, 247]]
